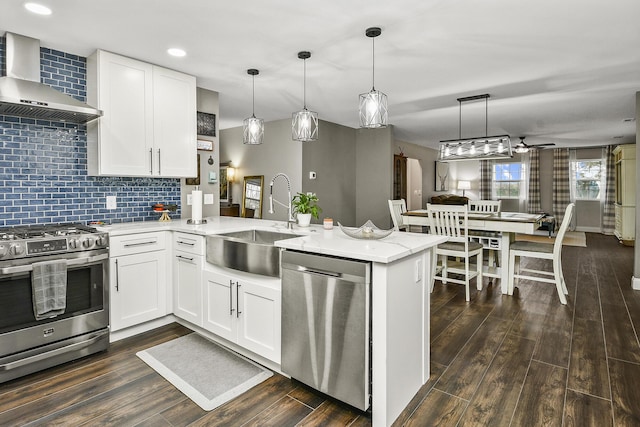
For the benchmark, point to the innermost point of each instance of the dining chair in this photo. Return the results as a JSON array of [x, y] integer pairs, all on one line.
[[550, 251], [397, 207], [485, 205], [452, 221]]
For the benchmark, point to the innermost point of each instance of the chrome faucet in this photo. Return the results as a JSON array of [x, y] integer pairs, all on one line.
[[290, 219]]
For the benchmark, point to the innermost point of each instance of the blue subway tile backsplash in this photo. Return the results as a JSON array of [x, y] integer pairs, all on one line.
[[43, 164]]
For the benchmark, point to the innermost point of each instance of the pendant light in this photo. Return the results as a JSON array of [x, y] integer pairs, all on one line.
[[493, 147], [304, 123], [252, 127], [373, 105]]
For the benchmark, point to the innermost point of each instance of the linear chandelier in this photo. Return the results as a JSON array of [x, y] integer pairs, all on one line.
[[252, 127], [304, 123], [477, 148], [373, 104]]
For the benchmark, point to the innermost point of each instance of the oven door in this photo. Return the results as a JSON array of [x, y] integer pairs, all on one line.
[[86, 302]]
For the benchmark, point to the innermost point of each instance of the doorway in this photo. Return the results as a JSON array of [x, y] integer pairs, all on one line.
[[414, 184]]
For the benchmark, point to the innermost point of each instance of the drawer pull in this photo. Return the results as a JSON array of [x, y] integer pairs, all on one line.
[[129, 245]]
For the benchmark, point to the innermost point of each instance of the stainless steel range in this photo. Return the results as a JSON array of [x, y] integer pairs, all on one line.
[[53, 296]]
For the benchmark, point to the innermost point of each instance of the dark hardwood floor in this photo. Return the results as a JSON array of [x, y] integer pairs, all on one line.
[[521, 360]]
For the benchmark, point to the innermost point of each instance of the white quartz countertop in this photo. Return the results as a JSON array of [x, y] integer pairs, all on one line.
[[312, 239]]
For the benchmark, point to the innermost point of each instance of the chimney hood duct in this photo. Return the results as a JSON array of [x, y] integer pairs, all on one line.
[[22, 94]]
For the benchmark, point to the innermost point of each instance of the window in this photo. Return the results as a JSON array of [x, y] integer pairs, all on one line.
[[508, 180], [586, 176]]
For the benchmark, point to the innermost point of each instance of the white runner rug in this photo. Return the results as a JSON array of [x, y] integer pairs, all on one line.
[[207, 373]]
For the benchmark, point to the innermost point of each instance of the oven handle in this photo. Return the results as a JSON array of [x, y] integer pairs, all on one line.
[[75, 261], [52, 353]]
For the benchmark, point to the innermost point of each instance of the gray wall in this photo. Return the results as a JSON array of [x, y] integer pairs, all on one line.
[[207, 102], [344, 159], [374, 165], [332, 158], [277, 154]]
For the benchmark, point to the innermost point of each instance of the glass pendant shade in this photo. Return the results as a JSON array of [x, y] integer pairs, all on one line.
[[252, 127], [252, 130], [373, 109], [373, 105], [304, 123], [304, 126]]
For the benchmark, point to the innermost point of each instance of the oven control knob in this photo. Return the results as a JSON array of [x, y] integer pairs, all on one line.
[[16, 250], [73, 243], [3, 250], [100, 241], [88, 242]]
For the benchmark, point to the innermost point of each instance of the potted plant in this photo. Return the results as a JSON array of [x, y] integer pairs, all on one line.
[[305, 205]]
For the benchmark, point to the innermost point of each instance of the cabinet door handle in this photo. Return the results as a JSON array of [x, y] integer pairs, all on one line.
[[152, 242], [117, 278], [159, 163], [231, 309], [180, 242], [150, 161], [238, 312], [185, 258]]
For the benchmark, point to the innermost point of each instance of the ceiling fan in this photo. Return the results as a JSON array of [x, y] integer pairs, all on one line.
[[523, 147]]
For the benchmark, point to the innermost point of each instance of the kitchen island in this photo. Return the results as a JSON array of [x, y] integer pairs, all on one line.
[[400, 272]]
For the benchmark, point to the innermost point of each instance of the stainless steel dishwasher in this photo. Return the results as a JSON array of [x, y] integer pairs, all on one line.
[[325, 324]]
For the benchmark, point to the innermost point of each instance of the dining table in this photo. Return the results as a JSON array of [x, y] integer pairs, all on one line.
[[495, 230]]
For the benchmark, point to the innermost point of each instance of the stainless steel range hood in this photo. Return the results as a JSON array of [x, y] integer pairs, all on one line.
[[22, 94]]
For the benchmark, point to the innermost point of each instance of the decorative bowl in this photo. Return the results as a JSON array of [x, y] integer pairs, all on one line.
[[367, 231]]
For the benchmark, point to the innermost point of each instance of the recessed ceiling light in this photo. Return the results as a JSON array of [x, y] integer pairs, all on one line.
[[174, 51], [39, 9]]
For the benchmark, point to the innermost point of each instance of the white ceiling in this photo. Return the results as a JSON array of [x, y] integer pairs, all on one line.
[[557, 71]]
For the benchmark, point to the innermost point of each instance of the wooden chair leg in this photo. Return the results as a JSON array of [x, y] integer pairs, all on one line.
[[557, 274], [434, 265], [564, 283], [512, 267], [466, 279], [479, 260], [444, 270]]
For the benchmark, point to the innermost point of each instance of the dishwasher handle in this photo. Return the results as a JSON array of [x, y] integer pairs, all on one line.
[[318, 271]]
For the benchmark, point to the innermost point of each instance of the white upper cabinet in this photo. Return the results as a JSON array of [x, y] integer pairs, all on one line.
[[174, 123], [149, 122]]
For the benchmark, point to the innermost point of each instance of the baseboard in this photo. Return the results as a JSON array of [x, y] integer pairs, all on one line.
[[589, 229], [143, 327], [635, 283]]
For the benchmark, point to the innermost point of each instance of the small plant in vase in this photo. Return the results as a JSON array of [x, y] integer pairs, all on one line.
[[305, 206]]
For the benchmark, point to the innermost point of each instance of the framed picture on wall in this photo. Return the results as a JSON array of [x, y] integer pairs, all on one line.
[[206, 124], [442, 176], [224, 185]]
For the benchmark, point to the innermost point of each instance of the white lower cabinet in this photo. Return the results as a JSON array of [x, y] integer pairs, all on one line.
[[138, 279], [188, 255], [244, 311]]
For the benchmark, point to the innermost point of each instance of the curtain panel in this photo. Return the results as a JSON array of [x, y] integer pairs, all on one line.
[[561, 185], [607, 200], [486, 179], [534, 205]]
